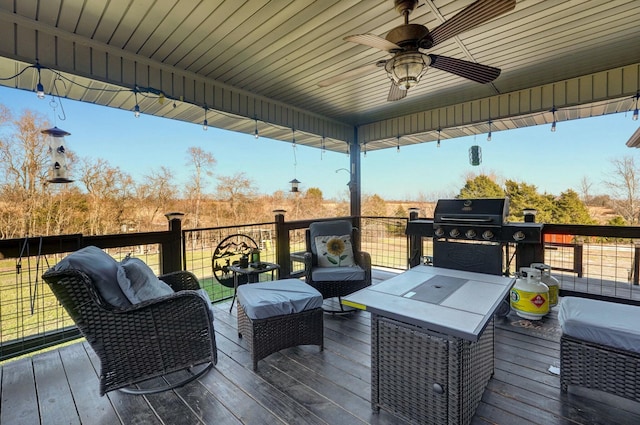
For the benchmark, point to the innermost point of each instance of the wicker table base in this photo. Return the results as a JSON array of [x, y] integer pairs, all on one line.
[[427, 377]]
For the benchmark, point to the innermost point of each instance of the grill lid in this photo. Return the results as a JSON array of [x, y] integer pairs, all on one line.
[[485, 211]]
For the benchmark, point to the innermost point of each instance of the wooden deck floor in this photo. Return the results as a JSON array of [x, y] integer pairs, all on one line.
[[300, 385]]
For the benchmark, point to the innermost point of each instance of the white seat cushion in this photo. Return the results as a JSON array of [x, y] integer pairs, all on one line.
[[601, 322], [339, 274], [278, 297]]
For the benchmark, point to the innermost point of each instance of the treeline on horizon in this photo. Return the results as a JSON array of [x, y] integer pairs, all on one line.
[[106, 200]]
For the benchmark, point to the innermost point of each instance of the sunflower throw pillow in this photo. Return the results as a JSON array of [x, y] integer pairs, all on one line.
[[334, 251]]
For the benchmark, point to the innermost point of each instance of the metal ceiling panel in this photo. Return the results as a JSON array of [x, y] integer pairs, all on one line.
[[261, 60]]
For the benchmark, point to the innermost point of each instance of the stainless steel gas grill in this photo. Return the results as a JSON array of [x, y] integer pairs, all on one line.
[[474, 235]]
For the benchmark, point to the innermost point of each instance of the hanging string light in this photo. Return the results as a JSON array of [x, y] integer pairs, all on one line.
[[398, 146], [39, 86], [365, 148], [136, 109], [439, 130], [162, 97], [205, 123]]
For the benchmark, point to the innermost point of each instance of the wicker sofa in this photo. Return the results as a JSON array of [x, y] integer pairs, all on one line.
[[600, 346]]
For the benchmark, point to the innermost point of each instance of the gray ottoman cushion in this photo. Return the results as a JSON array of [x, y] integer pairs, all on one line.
[[278, 297], [601, 322]]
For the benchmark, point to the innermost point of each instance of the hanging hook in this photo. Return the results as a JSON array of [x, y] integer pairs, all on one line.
[[55, 88]]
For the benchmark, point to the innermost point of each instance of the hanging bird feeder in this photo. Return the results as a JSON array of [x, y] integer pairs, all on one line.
[[59, 171], [294, 185]]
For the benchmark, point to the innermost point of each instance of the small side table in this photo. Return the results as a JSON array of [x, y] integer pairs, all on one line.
[[252, 273]]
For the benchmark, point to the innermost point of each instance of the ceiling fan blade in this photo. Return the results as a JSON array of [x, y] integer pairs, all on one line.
[[473, 71], [395, 93], [373, 41], [354, 73], [470, 17]]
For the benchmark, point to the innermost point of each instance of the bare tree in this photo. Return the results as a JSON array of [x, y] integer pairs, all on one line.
[[108, 191], [203, 163], [374, 206], [585, 189], [238, 191], [624, 183], [23, 168], [156, 195], [312, 203]]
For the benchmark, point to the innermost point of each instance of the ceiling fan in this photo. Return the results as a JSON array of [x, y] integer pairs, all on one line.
[[406, 44]]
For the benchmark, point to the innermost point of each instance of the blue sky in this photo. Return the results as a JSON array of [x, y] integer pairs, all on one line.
[[553, 162]]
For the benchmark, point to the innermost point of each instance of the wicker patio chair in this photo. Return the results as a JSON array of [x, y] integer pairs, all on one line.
[[335, 280], [142, 341]]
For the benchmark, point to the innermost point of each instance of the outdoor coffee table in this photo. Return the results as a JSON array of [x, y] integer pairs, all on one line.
[[252, 271], [431, 341]]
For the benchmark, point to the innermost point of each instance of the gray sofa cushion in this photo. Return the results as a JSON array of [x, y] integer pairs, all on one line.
[[103, 271], [278, 297], [141, 283], [602, 322], [346, 274]]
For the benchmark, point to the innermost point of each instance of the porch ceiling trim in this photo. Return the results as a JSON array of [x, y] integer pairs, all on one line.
[[601, 93], [80, 56]]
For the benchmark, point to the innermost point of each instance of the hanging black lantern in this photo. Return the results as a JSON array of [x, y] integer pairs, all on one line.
[[475, 155]]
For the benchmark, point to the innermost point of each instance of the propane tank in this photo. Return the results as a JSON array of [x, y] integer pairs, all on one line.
[[550, 281], [529, 296]]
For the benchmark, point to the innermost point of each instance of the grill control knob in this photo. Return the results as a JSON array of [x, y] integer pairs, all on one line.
[[519, 235], [439, 232], [470, 234], [487, 235], [454, 233]]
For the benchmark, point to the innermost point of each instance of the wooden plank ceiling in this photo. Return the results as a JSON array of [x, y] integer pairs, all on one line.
[[259, 63]]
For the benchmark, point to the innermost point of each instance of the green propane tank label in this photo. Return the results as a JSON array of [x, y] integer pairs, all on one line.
[[529, 302]]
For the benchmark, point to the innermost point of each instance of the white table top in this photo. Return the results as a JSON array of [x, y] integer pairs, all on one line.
[[463, 313]]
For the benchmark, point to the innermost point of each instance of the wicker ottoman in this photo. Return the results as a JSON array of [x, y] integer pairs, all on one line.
[[279, 314], [600, 346]]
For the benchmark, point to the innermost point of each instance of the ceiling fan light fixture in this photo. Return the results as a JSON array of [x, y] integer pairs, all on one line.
[[406, 68]]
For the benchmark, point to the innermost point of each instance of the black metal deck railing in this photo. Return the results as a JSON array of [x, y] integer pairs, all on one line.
[[595, 261]]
